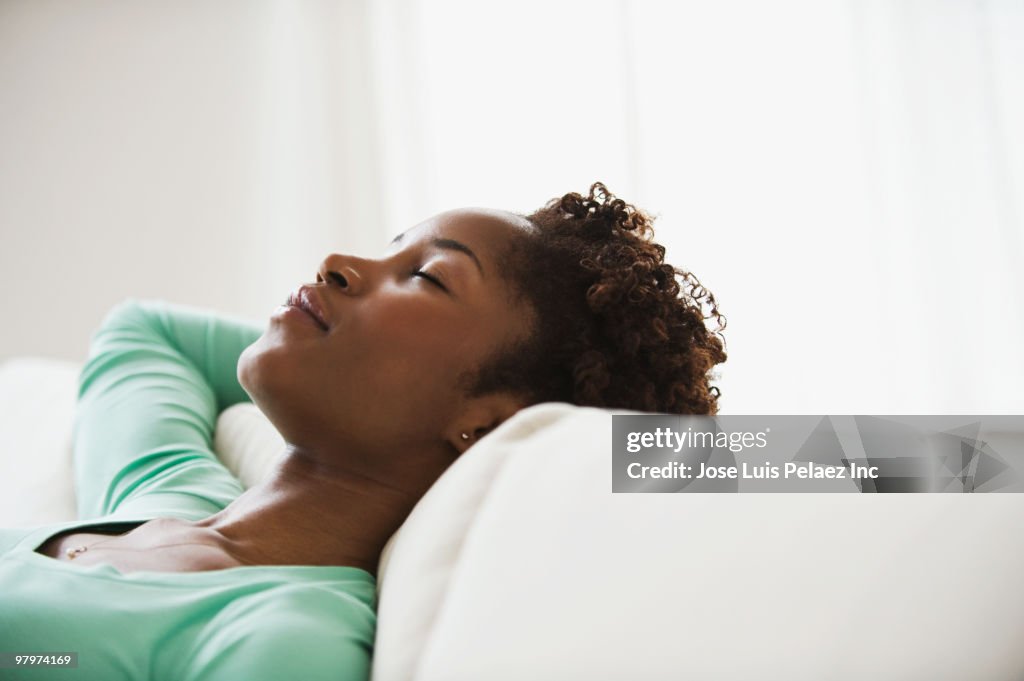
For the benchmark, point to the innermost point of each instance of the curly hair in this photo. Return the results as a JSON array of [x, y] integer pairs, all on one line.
[[615, 325]]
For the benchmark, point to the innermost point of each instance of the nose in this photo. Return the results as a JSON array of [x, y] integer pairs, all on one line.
[[342, 270]]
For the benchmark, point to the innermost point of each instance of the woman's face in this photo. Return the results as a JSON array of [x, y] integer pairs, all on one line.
[[373, 356]]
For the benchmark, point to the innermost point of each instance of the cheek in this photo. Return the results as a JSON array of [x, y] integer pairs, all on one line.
[[401, 386], [398, 381], [407, 342]]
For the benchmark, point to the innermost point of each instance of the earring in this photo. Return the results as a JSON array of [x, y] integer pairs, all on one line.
[[465, 436]]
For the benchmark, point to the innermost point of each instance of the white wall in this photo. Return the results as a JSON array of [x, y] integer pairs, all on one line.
[[194, 151]]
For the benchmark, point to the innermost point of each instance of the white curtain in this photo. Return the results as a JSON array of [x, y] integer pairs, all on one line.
[[846, 176]]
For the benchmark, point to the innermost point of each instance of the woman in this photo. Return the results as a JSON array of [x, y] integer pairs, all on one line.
[[378, 376]]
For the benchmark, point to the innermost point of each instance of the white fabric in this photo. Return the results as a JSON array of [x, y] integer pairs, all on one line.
[[425, 554], [521, 564], [247, 443], [37, 404], [807, 159]]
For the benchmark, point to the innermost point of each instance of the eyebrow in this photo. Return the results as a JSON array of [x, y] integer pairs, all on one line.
[[450, 245]]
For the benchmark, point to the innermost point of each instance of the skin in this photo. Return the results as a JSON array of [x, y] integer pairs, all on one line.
[[372, 409]]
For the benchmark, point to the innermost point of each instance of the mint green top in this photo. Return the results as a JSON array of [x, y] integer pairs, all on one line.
[[156, 379]]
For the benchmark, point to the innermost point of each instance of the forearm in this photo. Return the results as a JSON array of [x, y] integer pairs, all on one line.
[[156, 378]]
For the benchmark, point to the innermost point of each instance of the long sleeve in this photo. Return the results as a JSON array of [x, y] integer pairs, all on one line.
[[156, 379]]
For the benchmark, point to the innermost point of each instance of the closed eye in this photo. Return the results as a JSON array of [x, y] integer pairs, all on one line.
[[432, 279]]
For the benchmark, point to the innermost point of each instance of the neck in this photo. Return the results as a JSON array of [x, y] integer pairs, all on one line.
[[307, 512]]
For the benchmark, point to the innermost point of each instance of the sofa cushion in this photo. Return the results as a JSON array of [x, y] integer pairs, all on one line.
[[521, 563], [37, 406]]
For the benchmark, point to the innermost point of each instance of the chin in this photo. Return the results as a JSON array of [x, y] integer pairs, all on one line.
[[260, 372], [245, 371], [272, 381]]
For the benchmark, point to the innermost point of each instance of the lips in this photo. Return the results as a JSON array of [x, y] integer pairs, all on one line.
[[304, 298]]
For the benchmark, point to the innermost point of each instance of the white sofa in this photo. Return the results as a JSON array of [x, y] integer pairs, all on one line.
[[521, 564]]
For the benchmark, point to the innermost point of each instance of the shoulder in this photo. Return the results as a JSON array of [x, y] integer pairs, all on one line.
[[309, 631], [11, 538]]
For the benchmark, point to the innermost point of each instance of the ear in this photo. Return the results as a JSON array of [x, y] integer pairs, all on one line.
[[479, 416]]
